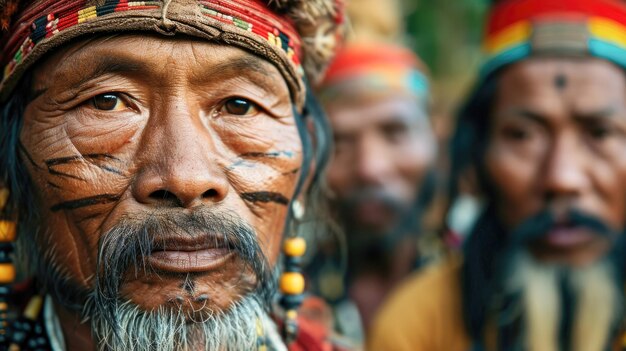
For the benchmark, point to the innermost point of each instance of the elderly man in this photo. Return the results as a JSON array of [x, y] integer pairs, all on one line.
[[376, 96], [546, 133], [153, 151]]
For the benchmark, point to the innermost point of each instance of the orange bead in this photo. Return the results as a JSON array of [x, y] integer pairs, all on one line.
[[7, 231], [7, 273], [292, 283], [294, 247]]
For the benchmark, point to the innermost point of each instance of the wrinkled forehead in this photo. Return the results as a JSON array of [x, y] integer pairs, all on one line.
[[571, 83], [170, 59]]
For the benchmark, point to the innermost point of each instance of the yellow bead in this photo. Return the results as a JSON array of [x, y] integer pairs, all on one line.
[[294, 247], [7, 231], [292, 314], [7, 273], [33, 308], [292, 283]]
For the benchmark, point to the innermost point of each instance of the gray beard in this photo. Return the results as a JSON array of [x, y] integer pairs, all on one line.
[[598, 302], [169, 329]]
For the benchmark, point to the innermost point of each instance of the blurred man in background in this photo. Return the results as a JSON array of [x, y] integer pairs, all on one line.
[[376, 97], [545, 131]]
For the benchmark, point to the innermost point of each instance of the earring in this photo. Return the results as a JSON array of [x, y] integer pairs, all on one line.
[[298, 210], [292, 286], [7, 269], [24, 331]]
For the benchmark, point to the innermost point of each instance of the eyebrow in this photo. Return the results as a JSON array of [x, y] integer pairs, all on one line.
[[526, 114], [111, 65], [599, 114], [241, 62], [540, 119]]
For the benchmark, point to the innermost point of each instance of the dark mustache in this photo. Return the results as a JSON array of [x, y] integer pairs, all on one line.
[[539, 225], [127, 247]]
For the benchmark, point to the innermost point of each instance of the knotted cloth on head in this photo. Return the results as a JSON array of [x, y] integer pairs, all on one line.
[[518, 29], [298, 36]]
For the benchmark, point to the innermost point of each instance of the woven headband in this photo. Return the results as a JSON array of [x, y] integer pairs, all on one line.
[[375, 68], [518, 29], [270, 29]]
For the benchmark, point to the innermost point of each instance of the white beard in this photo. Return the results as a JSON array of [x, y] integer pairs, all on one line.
[[597, 309], [169, 330]]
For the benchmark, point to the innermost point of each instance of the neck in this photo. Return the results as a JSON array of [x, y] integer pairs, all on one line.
[[369, 287], [77, 334]]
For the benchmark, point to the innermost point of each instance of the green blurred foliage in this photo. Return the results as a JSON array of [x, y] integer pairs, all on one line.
[[446, 33]]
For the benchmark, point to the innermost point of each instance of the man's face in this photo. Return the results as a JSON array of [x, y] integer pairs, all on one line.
[[383, 149], [557, 143], [184, 139]]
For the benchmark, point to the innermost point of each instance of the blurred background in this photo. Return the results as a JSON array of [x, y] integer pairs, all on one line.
[[446, 35]]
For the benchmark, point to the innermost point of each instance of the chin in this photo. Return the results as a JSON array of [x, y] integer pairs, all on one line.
[[195, 294]]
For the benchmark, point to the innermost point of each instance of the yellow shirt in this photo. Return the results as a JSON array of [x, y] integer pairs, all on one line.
[[424, 314]]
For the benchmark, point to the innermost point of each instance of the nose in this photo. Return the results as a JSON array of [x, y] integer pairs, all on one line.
[[179, 167], [566, 175], [374, 163]]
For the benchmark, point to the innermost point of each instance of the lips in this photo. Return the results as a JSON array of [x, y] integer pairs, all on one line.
[[568, 237], [189, 255]]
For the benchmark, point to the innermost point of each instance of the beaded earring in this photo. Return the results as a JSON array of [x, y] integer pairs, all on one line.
[[292, 281], [7, 269]]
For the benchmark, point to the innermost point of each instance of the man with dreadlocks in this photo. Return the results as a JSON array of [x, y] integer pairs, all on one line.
[[152, 153], [545, 131], [376, 96]]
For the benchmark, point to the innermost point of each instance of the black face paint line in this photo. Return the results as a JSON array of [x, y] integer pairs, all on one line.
[[265, 196], [54, 185], [271, 154], [85, 202], [30, 159], [95, 159], [293, 171]]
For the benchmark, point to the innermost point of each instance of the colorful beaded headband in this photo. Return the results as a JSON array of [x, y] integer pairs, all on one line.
[[251, 24], [372, 69], [518, 29]]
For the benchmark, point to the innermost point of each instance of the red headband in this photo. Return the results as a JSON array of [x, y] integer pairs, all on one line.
[[359, 59], [265, 27], [374, 68], [518, 29], [513, 11], [52, 17]]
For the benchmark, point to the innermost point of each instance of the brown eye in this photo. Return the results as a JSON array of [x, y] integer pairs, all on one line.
[[600, 132], [517, 134], [108, 102], [239, 107]]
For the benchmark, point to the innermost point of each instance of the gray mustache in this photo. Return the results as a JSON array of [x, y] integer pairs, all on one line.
[[129, 244]]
